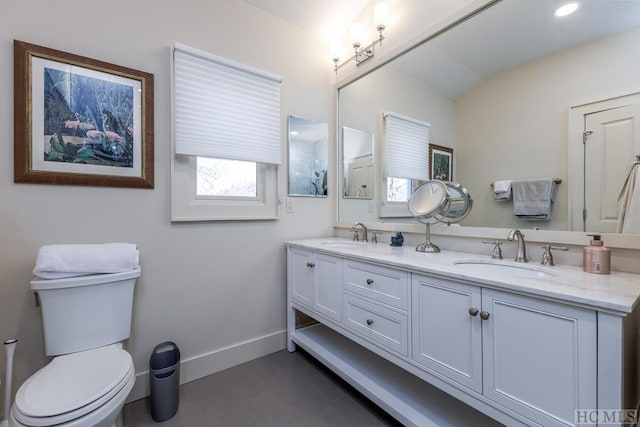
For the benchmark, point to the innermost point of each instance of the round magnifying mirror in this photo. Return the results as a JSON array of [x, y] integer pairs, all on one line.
[[444, 202], [428, 199]]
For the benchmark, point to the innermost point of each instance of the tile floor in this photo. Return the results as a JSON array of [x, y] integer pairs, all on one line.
[[282, 389]]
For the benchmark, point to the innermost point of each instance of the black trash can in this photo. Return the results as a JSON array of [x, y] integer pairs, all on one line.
[[164, 374]]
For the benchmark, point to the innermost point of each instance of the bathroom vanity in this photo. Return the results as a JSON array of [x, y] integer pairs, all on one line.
[[427, 337]]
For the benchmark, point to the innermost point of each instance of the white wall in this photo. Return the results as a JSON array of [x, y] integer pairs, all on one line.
[[207, 286], [515, 125]]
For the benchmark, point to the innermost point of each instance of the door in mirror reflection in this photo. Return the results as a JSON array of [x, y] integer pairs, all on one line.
[[308, 157], [358, 172]]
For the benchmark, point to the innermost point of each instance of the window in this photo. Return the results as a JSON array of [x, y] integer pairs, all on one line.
[[406, 161], [226, 178], [226, 139]]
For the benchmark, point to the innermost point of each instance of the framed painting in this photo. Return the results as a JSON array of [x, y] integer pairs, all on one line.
[[440, 162], [80, 121]]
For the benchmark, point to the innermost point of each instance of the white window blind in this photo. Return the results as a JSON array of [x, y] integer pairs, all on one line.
[[224, 109], [406, 147]]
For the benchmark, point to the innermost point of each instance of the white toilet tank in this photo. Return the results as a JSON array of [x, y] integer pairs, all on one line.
[[81, 313]]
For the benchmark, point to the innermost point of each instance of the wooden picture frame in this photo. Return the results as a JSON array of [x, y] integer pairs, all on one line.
[[440, 162], [80, 121]]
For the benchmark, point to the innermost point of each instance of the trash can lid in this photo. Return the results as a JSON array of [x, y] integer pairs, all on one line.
[[73, 381]]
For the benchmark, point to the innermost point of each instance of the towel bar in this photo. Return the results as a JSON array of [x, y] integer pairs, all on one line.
[[555, 180]]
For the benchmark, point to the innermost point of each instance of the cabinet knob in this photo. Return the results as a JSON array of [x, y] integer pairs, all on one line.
[[484, 315], [310, 264], [369, 322], [473, 311], [369, 281]]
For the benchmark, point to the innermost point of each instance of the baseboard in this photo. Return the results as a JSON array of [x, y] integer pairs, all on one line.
[[202, 365]]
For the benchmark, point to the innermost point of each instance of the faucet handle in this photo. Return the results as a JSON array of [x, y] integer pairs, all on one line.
[[497, 251], [374, 236], [547, 256], [356, 238]]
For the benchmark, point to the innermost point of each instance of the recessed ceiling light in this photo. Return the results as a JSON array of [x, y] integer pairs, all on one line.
[[567, 9]]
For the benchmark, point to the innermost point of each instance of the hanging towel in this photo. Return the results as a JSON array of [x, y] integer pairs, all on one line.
[[532, 198], [502, 190], [629, 204], [59, 261]]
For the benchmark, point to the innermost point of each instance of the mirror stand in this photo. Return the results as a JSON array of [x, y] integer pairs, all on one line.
[[427, 246]]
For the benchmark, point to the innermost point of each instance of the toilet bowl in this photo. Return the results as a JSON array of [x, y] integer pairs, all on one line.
[[85, 319], [88, 388]]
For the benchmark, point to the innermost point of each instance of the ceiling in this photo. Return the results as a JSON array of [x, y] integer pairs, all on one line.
[[324, 19], [458, 60]]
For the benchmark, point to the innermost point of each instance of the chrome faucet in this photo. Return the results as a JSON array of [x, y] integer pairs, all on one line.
[[364, 231], [521, 256]]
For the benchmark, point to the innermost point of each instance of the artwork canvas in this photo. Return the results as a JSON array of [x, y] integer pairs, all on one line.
[[81, 121]]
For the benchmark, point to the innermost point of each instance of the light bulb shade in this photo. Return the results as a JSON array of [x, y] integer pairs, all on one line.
[[356, 34], [335, 49], [380, 15]]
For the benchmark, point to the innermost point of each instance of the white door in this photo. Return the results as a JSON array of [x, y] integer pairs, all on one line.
[[539, 357], [612, 142], [360, 177], [446, 331]]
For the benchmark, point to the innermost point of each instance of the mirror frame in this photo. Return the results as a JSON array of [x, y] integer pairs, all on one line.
[[579, 238]]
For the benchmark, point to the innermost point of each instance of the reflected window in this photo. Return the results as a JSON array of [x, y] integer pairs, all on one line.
[[401, 189]]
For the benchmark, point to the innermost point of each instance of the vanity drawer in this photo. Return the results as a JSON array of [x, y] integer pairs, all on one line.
[[382, 326], [386, 285]]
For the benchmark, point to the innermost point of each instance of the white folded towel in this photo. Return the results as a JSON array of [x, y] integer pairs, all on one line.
[[532, 198], [502, 190], [59, 261]]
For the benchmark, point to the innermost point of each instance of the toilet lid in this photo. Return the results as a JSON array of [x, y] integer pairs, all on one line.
[[74, 381]]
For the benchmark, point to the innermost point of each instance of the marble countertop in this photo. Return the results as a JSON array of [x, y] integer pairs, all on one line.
[[615, 292]]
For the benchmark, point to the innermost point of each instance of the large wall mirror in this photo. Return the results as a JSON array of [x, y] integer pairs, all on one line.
[[308, 157], [510, 89]]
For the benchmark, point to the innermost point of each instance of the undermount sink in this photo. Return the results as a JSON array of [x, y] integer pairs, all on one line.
[[494, 267]]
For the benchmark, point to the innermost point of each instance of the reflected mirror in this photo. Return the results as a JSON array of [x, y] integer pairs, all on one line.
[[510, 90], [357, 164], [308, 157]]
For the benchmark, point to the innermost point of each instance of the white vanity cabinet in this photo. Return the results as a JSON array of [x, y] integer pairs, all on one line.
[[436, 345], [533, 356], [316, 280]]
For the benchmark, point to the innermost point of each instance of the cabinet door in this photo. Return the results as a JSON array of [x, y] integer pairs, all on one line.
[[539, 357], [301, 271], [328, 285], [445, 336]]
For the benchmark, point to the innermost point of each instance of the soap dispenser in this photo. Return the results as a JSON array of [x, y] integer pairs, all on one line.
[[596, 256]]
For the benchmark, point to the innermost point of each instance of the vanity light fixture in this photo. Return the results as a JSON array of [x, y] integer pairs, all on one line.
[[566, 9], [361, 54]]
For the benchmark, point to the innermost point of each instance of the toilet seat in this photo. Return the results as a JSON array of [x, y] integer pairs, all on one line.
[[73, 385]]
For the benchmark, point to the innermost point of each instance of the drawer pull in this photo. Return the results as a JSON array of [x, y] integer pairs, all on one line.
[[473, 311], [369, 322], [369, 281], [484, 315], [310, 265]]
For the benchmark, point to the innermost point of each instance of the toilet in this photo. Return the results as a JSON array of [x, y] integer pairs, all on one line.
[[85, 319]]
